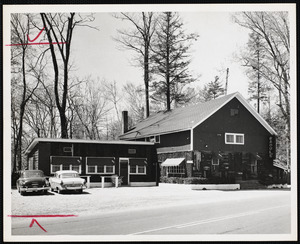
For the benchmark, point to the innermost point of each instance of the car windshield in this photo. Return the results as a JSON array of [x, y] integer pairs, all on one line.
[[33, 174], [69, 175]]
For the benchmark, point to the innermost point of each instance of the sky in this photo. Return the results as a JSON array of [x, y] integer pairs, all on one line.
[[97, 54]]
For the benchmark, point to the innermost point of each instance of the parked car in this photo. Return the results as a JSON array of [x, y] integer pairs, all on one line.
[[32, 181], [64, 180]]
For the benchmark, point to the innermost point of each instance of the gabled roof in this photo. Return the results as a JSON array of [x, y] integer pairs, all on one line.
[[187, 118]]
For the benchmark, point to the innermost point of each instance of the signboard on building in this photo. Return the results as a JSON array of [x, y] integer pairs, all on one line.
[[272, 147]]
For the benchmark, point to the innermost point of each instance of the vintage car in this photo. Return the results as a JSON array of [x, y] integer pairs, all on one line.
[[65, 180], [32, 181]]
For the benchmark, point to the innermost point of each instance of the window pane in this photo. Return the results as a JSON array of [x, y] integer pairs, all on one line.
[[141, 169], [133, 169], [66, 167], [76, 168], [100, 168], [239, 139], [91, 169], [229, 138], [109, 169], [55, 168]]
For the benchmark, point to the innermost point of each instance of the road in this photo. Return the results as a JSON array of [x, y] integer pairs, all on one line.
[[263, 215]]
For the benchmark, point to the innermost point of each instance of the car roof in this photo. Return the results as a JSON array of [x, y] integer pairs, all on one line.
[[66, 171], [32, 170]]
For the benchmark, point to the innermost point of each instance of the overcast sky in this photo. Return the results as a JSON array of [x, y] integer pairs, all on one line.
[[97, 54]]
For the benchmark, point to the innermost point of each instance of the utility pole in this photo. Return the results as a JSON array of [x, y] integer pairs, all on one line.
[[226, 85]]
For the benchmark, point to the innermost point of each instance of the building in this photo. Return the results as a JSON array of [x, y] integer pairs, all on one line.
[[136, 162], [223, 138]]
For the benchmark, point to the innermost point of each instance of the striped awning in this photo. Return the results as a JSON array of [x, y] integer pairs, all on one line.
[[172, 162]]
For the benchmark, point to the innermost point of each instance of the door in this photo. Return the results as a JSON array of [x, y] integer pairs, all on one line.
[[124, 170]]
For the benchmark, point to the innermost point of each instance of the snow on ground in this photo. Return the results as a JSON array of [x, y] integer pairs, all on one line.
[[106, 200]]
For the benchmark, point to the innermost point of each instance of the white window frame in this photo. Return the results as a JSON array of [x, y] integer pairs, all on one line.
[[96, 169], [215, 161], [61, 168], [101, 173], [153, 139], [51, 168], [136, 170], [234, 138], [175, 169]]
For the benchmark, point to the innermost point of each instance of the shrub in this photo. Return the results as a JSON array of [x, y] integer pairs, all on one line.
[[195, 180]]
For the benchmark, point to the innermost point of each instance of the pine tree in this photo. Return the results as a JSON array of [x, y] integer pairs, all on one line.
[[171, 60]]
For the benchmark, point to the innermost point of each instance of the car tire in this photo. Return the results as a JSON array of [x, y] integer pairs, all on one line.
[[22, 193], [59, 191], [80, 191]]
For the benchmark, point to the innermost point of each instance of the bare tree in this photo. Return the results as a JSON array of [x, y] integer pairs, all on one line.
[[272, 28], [20, 26], [138, 39], [59, 29], [90, 106], [134, 95]]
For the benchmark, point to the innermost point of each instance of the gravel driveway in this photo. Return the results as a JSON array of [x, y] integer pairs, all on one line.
[[98, 200]]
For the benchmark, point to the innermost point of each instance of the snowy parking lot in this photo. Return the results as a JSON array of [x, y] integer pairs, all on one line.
[[106, 200]]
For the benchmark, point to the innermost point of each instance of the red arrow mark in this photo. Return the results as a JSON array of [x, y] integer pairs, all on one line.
[[36, 36], [32, 222]]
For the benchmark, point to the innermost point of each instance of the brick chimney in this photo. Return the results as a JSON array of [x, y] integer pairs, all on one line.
[[124, 122]]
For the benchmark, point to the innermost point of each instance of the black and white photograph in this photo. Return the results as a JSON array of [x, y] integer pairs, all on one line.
[[150, 122]]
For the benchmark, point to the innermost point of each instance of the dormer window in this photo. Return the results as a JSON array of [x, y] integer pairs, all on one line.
[[155, 139]]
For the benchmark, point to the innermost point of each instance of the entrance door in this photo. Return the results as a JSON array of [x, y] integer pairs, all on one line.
[[124, 170]]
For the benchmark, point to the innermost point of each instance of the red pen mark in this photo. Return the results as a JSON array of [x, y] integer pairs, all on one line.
[[32, 222], [41, 216], [37, 43], [36, 36]]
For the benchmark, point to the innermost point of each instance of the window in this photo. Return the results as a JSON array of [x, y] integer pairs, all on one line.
[[138, 166], [215, 161], [55, 167], [91, 168], [76, 168], [230, 138], [100, 169], [66, 167], [141, 169], [109, 169], [155, 139], [234, 111], [240, 139], [233, 138], [100, 165], [175, 169], [137, 169]]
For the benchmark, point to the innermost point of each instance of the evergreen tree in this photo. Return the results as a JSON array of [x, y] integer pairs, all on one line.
[[171, 60], [212, 90]]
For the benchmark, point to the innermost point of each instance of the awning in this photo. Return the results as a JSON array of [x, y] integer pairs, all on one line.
[[66, 160], [280, 164], [138, 161], [100, 161], [172, 162]]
